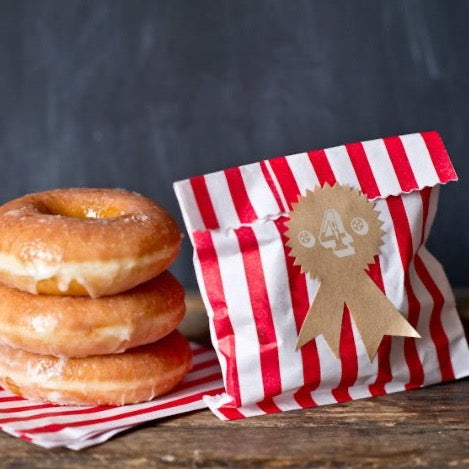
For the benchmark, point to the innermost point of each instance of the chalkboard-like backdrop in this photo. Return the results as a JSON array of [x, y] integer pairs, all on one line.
[[138, 94]]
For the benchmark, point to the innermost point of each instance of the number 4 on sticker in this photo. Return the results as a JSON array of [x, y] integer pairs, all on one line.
[[334, 236]]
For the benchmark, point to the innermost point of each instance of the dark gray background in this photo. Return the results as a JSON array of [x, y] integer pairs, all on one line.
[[138, 94]]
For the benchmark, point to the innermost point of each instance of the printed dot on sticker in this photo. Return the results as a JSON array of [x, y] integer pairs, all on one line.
[[359, 225], [306, 239]]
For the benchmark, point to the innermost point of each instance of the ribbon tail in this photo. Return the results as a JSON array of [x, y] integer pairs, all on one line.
[[375, 316], [323, 317]]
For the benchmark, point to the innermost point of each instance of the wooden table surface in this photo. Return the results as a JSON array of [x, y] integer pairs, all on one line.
[[423, 428]]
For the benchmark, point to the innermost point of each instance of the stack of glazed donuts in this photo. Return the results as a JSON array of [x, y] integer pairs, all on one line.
[[87, 309]]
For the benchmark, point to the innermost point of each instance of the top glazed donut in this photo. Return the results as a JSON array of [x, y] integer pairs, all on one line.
[[84, 241]]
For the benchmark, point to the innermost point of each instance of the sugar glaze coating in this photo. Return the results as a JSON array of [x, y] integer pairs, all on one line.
[[75, 326], [83, 241], [137, 375]]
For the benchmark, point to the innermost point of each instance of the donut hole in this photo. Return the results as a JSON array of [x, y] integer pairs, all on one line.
[[75, 210]]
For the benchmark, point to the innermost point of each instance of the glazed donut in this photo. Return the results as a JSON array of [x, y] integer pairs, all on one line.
[[84, 241], [76, 326], [137, 375]]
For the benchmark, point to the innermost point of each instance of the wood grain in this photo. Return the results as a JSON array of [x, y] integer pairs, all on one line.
[[423, 428]]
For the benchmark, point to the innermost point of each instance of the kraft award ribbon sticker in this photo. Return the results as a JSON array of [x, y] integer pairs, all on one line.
[[334, 234]]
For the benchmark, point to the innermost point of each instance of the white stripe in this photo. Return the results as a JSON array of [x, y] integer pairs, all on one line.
[[251, 410], [393, 279], [287, 401], [367, 370], [360, 390], [189, 208], [210, 314], [432, 208], [382, 168], [414, 210], [34, 413], [277, 186], [219, 401], [259, 192], [329, 365], [342, 167], [6, 406], [276, 278], [324, 396], [449, 317], [390, 259], [222, 202], [303, 172], [92, 439], [425, 346], [420, 160], [242, 319]]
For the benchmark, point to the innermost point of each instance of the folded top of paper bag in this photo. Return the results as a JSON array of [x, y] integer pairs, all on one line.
[[379, 168]]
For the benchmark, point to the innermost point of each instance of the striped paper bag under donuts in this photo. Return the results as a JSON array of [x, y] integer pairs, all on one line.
[[315, 275]]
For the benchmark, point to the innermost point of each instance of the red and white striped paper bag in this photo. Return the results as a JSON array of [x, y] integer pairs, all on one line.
[[258, 298]]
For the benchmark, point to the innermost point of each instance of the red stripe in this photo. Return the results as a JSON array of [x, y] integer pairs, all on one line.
[[303, 396], [322, 167], [348, 358], [202, 197], [56, 427], [268, 406], [231, 413], [85, 410], [400, 162], [221, 321], [425, 194], [241, 200], [298, 291], [370, 187], [14, 410], [240, 196], [384, 374], [11, 398], [362, 169], [402, 229], [286, 180], [271, 184], [262, 312], [300, 304], [260, 302], [404, 241], [347, 349], [437, 331], [441, 161]]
